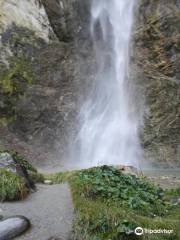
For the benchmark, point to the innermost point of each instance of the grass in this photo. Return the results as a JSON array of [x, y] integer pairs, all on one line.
[[12, 187], [109, 205]]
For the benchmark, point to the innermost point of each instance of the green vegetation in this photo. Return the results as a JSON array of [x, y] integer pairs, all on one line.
[[20, 71], [12, 187], [62, 177], [109, 205], [132, 192], [13, 82], [32, 171], [23, 162]]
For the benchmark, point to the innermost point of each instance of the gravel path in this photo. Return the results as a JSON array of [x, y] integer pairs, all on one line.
[[50, 211]]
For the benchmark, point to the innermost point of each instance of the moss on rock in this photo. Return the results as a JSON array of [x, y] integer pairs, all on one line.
[[13, 82], [20, 71]]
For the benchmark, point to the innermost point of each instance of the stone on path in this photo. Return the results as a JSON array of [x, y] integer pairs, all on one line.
[[13, 227]]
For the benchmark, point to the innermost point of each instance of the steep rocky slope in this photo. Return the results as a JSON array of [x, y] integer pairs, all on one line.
[[24, 29], [47, 65], [157, 55], [43, 76]]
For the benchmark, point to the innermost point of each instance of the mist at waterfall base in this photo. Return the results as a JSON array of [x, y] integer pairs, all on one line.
[[108, 120]]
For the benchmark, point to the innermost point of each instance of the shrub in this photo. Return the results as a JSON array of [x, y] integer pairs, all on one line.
[[12, 187]]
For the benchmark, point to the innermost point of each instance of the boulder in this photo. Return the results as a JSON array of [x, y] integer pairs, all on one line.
[[13, 226], [129, 170], [7, 162]]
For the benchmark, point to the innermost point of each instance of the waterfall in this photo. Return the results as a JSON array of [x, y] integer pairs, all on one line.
[[109, 131]]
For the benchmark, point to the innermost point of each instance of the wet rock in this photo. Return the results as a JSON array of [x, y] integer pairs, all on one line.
[[156, 56], [129, 169], [13, 227], [7, 162], [27, 14], [41, 113], [69, 19]]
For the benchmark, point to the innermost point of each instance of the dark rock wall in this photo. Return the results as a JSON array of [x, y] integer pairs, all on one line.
[[157, 55], [19, 74], [69, 18], [45, 115]]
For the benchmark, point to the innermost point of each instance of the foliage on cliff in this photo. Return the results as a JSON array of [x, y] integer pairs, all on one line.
[[13, 82]]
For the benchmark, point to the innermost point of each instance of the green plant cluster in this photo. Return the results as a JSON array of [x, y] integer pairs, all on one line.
[[109, 183], [12, 187], [109, 205]]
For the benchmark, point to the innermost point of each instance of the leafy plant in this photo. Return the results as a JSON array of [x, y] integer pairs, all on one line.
[[109, 205], [127, 190]]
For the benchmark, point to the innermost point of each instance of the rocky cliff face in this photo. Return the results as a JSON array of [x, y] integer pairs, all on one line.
[[47, 63], [24, 31], [157, 55], [69, 18]]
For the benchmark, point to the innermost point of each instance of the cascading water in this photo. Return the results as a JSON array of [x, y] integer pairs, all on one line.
[[109, 122]]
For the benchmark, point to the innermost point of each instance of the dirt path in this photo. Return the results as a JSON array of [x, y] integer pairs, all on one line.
[[50, 211]]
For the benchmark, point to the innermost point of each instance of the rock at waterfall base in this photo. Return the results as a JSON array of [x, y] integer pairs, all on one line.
[[129, 170]]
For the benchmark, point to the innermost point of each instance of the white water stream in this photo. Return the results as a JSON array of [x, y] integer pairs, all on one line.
[[109, 131]]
